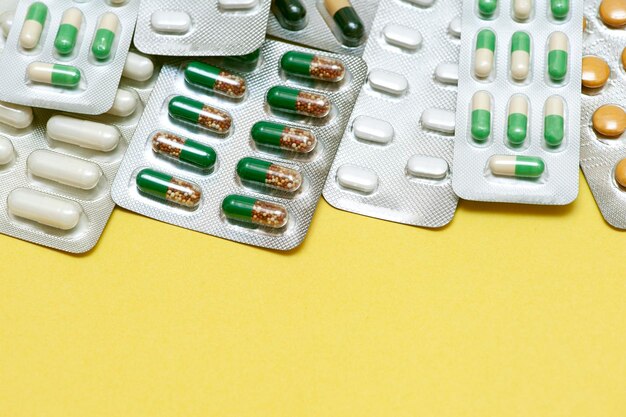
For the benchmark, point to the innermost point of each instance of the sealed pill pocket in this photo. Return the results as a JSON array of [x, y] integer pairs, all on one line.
[[239, 147]]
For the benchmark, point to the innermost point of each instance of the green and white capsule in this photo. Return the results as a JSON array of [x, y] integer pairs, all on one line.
[[252, 210], [522, 9], [520, 56], [183, 149], [269, 174], [487, 8], [484, 53], [65, 41], [554, 121], [517, 166], [517, 126], [169, 188], [104, 39], [53, 74], [559, 9], [558, 47], [33, 25], [481, 116]]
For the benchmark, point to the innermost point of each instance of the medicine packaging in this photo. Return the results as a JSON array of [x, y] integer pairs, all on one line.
[[395, 159], [240, 147]]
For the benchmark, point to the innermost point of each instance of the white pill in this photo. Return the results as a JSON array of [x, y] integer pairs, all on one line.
[[167, 21], [388, 82], [64, 169], [44, 208], [422, 3], [6, 22], [357, 178], [522, 9], [402, 36], [15, 115], [125, 103], [429, 167], [454, 28], [447, 73], [372, 130], [6, 151], [83, 133], [439, 120], [237, 4], [138, 67]]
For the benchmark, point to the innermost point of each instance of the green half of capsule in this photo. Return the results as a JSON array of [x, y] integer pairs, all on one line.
[[350, 25], [291, 14], [252, 210], [298, 101], [554, 130], [37, 12], [486, 39], [559, 8], [481, 125], [103, 43], [168, 188], [557, 64], [520, 41], [65, 40], [269, 174], [285, 137], [517, 166], [184, 149], [312, 66], [517, 128], [486, 8]]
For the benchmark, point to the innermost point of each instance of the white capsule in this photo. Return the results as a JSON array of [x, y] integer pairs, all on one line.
[[237, 4], [15, 115], [402, 36], [357, 178], [454, 28], [125, 103], [372, 130], [6, 22], [44, 208], [6, 151], [440, 120], [83, 133], [138, 67], [64, 169], [166, 21], [428, 167], [388, 82], [447, 73], [522, 9]]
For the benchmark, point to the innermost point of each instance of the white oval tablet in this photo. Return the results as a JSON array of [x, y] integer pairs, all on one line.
[[15, 115], [44, 208], [138, 67], [388, 82], [6, 21], [447, 73], [357, 178], [372, 130], [64, 169], [168, 21], [237, 4], [439, 120], [125, 103], [454, 28], [83, 133], [402, 36], [6, 151], [429, 167]]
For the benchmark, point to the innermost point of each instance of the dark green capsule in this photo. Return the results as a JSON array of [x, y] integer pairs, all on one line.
[[313, 66], [285, 137], [252, 210], [215, 79], [269, 174], [169, 188], [184, 149], [198, 113], [297, 101], [291, 14], [347, 20]]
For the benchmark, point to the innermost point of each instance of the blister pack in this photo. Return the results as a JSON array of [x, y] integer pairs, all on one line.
[[241, 154], [201, 28], [339, 26], [394, 160], [67, 55], [56, 169], [518, 131], [603, 115]]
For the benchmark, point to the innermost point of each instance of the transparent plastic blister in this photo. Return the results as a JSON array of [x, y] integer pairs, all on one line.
[[603, 116], [309, 23], [206, 153], [394, 162], [517, 131], [201, 28], [73, 61]]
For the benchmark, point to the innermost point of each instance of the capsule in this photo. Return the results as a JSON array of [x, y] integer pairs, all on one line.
[[269, 174], [313, 66], [54, 74], [251, 210], [33, 25], [517, 125], [168, 188], [481, 116], [553, 121], [557, 56], [64, 169], [45, 209], [487, 8], [298, 101], [285, 137], [67, 34], [291, 14], [105, 36], [6, 22], [520, 56], [15, 115], [347, 20], [125, 103], [215, 79], [83, 133], [517, 166], [6, 151], [483, 55], [198, 113], [559, 8], [138, 67], [522, 9], [184, 149]]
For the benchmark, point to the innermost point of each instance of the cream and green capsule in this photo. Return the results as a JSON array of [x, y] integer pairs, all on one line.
[[559, 8], [487, 8], [558, 47], [278, 135], [252, 210], [302, 102], [53, 74], [481, 116], [200, 114], [484, 52], [168, 188], [65, 41], [105, 36], [215, 79], [517, 166], [520, 55], [313, 66], [33, 25], [517, 125], [269, 174], [554, 121], [183, 149]]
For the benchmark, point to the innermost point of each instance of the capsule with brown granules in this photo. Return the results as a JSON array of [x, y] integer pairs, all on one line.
[[168, 188], [302, 102], [282, 136], [215, 79], [183, 149], [200, 114], [269, 174], [313, 66], [252, 210]]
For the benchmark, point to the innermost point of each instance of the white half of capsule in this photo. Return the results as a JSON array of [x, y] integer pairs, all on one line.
[[40, 72], [402, 36], [447, 73], [15, 115], [428, 167], [440, 120], [503, 165], [518, 104], [481, 100], [64, 169], [237, 4], [6, 22], [44, 208], [554, 106], [558, 42], [357, 178], [454, 28], [83, 133], [372, 130], [6, 151], [138, 67], [520, 65], [72, 16], [109, 21], [522, 9], [30, 34], [483, 62], [125, 103], [173, 22], [388, 82]]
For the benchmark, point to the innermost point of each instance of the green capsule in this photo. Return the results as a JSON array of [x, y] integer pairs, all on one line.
[[269, 174], [33, 25], [252, 210], [517, 127], [347, 20], [105, 36], [198, 113], [481, 116], [554, 122], [487, 8], [215, 79], [517, 166], [168, 188], [291, 14], [297, 101], [67, 34], [313, 66], [558, 56], [53, 74], [183, 149], [560, 8], [285, 137]]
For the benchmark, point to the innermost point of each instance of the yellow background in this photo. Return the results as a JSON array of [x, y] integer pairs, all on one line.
[[509, 311]]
